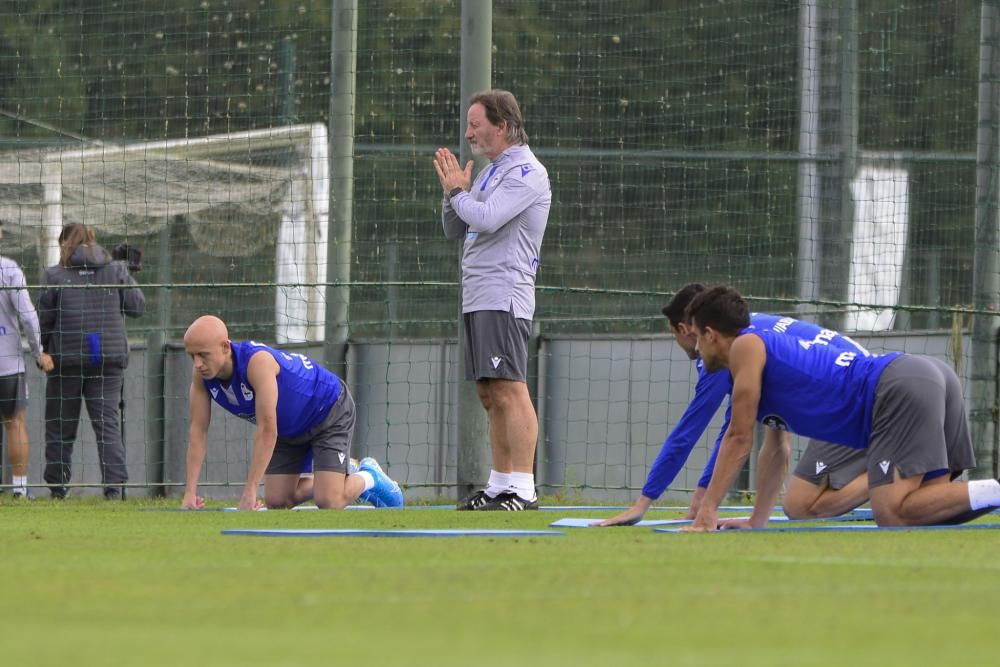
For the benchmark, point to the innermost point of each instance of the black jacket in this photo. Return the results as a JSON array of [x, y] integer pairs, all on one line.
[[84, 328]]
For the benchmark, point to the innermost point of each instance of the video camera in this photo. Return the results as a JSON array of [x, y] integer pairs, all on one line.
[[131, 255]]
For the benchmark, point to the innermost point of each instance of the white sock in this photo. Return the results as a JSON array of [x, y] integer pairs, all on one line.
[[367, 477], [497, 483], [984, 493], [20, 483], [523, 484]]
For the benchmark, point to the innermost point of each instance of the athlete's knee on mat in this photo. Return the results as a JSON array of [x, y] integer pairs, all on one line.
[[800, 500], [887, 517], [332, 501], [889, 507], [279, 501], [794, 510]]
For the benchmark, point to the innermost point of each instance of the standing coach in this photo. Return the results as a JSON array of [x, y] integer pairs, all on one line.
[[502, 216]]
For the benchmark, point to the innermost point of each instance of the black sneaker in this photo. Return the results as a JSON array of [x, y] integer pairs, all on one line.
[[58, 492], [510, 502], [112, 493], [473, 501]]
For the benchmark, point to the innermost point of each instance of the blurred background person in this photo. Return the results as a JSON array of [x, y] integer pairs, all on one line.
[[84, 331], [17, 319]]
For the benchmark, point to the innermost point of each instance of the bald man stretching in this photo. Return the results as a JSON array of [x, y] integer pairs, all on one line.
[[304, 416]]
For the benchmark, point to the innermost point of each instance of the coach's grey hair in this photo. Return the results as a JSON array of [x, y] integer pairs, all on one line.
[[501, 108]]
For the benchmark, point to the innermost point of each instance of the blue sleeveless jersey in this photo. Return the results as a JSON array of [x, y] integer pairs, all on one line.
[[709, 393], [306, 390], [816, 389]]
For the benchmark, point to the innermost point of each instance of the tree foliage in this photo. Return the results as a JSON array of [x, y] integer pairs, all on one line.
[[663, 124]]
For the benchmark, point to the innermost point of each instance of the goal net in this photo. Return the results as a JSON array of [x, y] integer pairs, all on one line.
[[240, 195]]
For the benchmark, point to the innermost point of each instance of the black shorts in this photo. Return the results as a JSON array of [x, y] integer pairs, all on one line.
[[496, 346], [13, 394], [329, 444]]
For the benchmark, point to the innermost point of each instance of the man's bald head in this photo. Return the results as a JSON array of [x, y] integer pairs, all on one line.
[[207, 329], [207, 343]]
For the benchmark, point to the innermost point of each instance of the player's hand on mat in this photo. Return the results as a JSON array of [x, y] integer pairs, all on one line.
[[192, 502], [629, 517], [741, 523], [706, 521], [250, 503]]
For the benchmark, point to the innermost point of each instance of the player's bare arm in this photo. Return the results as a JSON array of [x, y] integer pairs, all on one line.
[[772, 464], [746, 363], [262, 374], [696, 499], [200, 407]]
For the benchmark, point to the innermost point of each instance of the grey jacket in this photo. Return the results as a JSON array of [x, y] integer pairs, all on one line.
[[83, 327], [503, 219]]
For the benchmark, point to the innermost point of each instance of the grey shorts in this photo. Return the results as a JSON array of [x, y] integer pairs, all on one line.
[[328, 444], [919, 424], [496, 346], [836, 465], [13, 394]]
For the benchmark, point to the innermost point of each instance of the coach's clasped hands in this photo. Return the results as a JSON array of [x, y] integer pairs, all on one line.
[[450, 173]]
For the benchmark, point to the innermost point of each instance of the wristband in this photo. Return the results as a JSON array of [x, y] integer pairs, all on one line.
[[455, 191]]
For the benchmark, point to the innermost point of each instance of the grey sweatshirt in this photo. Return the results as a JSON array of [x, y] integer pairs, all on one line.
[[503, 219], [17, 315]]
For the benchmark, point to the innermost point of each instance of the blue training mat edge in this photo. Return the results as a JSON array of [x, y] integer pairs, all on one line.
[[359, 532], [843, 527]]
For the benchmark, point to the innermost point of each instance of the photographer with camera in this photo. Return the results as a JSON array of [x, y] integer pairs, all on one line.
[[84, 331]]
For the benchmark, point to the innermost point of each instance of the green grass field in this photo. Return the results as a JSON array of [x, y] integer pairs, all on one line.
[[85, 582]]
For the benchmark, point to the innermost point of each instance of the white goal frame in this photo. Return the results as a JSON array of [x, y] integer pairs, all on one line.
[[301, 256]]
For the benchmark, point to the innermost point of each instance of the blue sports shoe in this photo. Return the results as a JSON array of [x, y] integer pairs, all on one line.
[[385, 493]]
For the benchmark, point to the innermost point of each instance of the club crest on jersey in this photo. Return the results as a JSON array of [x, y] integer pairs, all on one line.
[[774, 421], [247, 393]]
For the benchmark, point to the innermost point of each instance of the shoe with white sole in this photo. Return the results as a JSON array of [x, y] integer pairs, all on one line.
[[386, 492]]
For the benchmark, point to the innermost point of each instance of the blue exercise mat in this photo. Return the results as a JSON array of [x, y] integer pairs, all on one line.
[[573, 522], [842, 527], [620, 508], [370, 507], [356, 532], [861, 514]]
